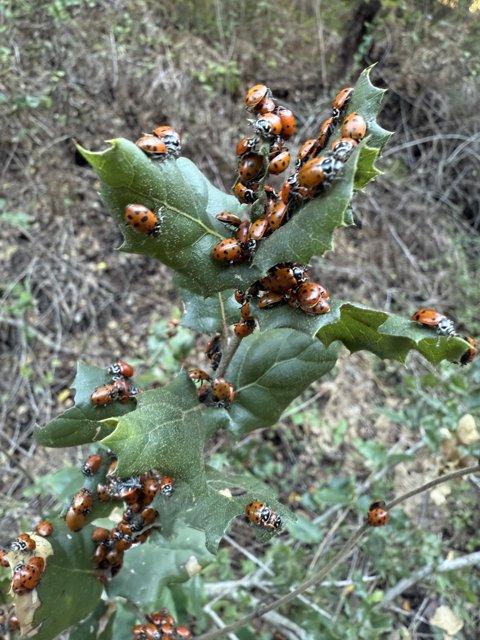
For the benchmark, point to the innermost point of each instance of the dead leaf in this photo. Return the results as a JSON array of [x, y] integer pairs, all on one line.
[[467, 431], [446, 619]]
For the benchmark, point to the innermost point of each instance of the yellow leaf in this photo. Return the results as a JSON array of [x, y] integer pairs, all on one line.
[[446, 619]]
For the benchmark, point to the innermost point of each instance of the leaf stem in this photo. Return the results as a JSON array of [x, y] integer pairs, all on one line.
[[228, 354], [341, 555]]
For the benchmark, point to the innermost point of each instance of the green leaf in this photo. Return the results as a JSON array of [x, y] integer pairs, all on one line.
[[89, 627], [210, 315], [186, 203], [82, 423], [167, 431], [388, 336], [69, 578], [361, 328], [148, 568], [269, 370]]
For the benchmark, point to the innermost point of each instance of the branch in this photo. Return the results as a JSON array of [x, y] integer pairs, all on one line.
[[469, 560]]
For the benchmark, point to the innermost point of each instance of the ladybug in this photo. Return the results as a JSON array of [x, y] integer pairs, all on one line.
[[246, 311], [151, 487], [104, 395], [244, 194], [318, 309], [183, 632], [471, 353], [169, 136], [92, 464], [142, 219], [281, 278], [289, 124], [269, 300], [279, 163], [214, 352], [24, 543], [153, 146], [121, 368], [26, 577], [341, 100], [137, 631], [432, 318], [268, 126], [160, 617], [166, 485], [354, 126], [82, 501], [377, 515], [3, 559], [124, 391], [255, 95], [342, 148], [309, 294], [304, 152], [229, 250], [150, 632], [149, 516], [257, 229], [257, 512], [229, 219], [44, 528], [239, 296], [244, 328], [223, 392], [312, 174], [100, 534], [267, 105], [38, 562], [250, 166], [241, 234], [277, 216], [325, 131], [103, 492], [246, 145], [198, 374]]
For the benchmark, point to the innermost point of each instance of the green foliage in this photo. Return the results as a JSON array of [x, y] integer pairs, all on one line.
[[167, 429]]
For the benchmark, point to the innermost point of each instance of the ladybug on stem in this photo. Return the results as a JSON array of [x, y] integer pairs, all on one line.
[[377, 514]]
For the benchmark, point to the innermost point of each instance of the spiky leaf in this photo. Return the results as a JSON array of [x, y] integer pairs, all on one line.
[[84, 422]]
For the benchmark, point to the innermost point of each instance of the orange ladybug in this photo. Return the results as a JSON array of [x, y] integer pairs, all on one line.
[[377, 514], [153, 146], [24, 543], [289, 124], [255, 95], [354, 126], [341, 100], [432, 318], [44, 528], [260, 514], [142, 219], [92, 464], [121, 368]]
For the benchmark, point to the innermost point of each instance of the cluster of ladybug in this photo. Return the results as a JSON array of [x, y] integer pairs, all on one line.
[[377, 515], [8, 621], [137, 519], [162, 143], [216, 393], [314, 173], [445, 327], [290, 283], [262, 515], [28, 572], [119, 388], [160, 625]]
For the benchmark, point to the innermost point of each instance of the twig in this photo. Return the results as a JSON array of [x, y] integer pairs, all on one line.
[[228, 355], [468, 560]]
